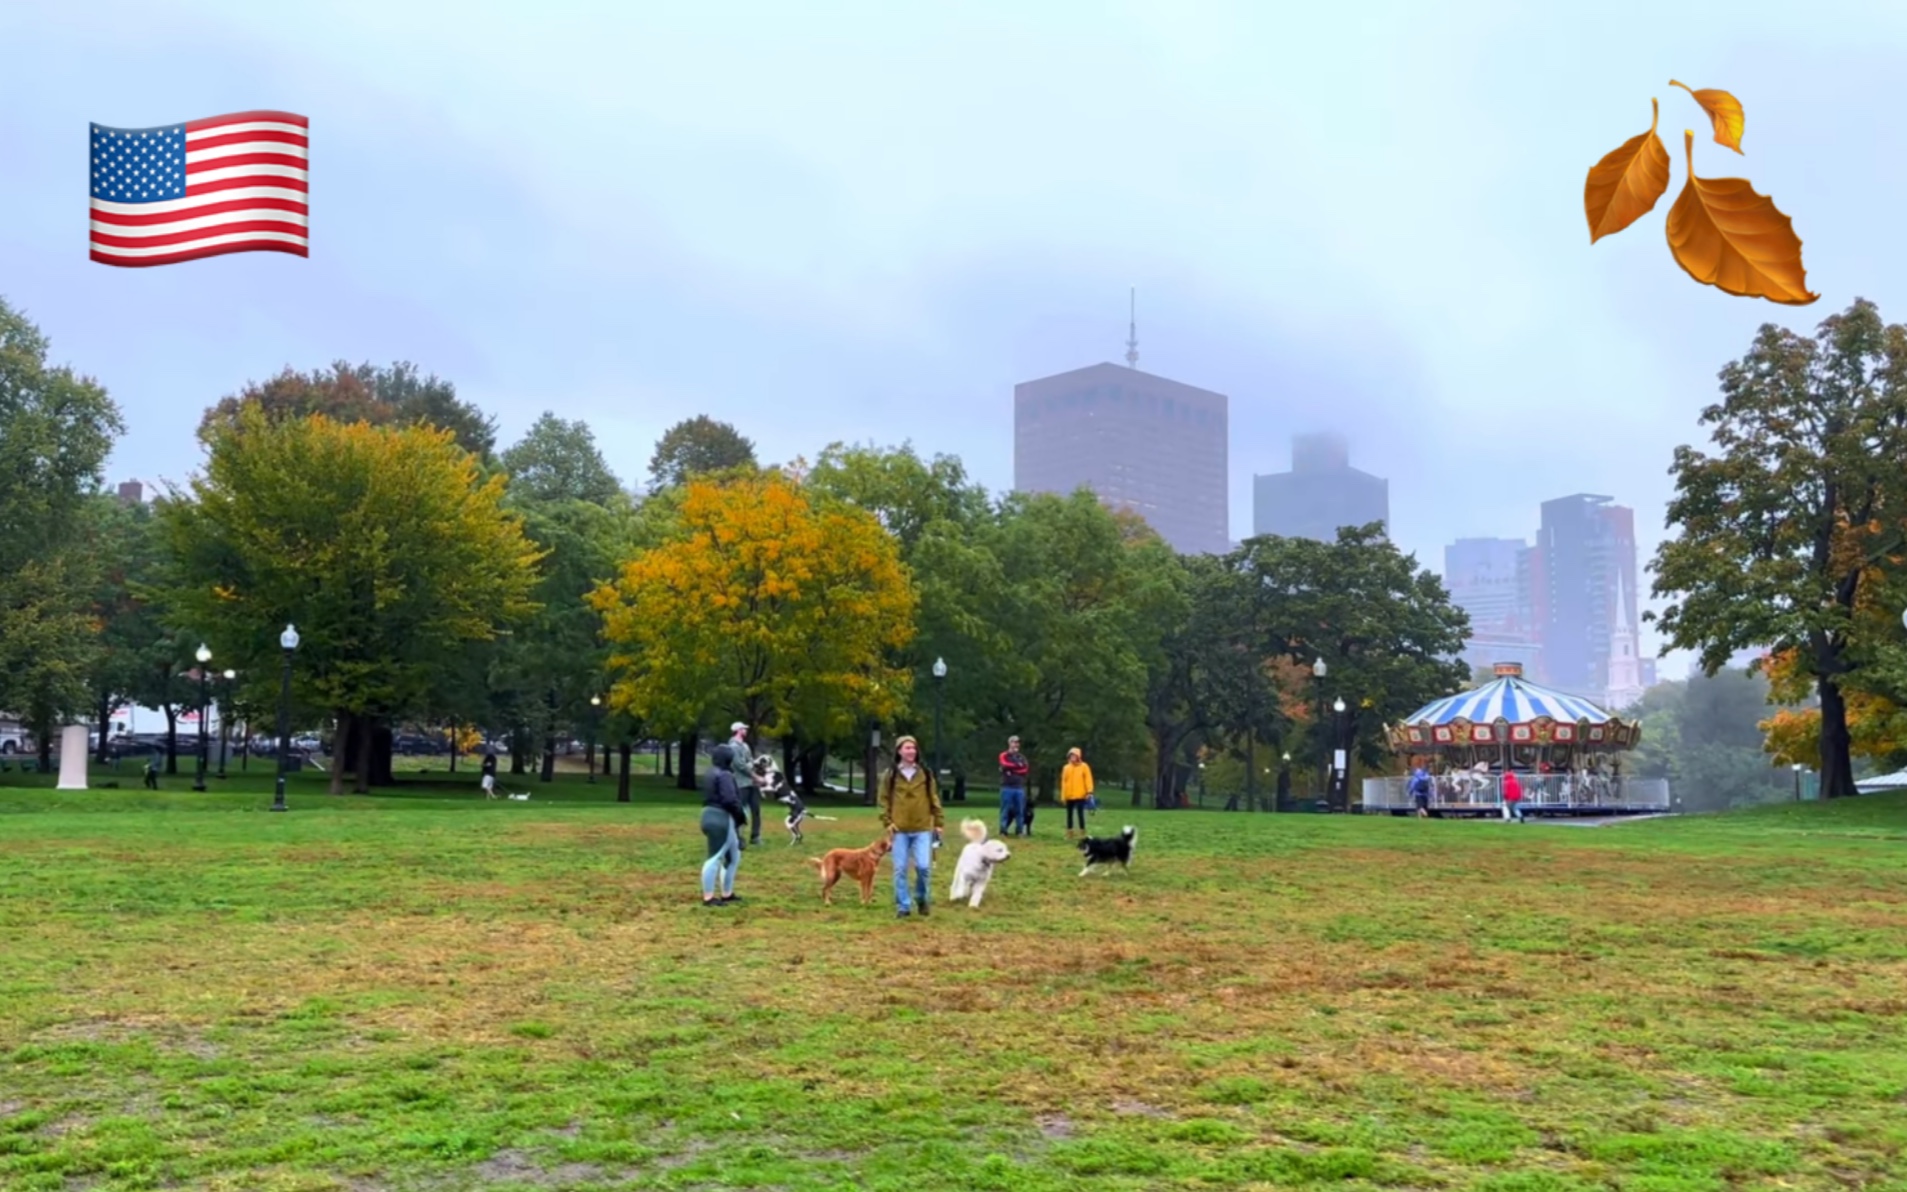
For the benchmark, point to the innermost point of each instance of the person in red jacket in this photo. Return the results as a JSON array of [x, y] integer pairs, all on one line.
[[1512, 797], [1013, 771]]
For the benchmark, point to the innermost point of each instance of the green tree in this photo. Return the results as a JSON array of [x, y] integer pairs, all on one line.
[[698, 446], [1386, 629], [382, 544], [557, 460], [56, 428], [133, 639], [394, 396], [1773, 544]]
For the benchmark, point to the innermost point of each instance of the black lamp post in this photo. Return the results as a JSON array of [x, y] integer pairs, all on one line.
[[1797, 782], [595, 709], [1318, 670], [224, 709], [288, 641], [1282, 798], [1341, 761], [204, 655], [940, 682]]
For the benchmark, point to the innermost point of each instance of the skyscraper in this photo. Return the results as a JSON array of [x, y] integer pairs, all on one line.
[[1139, 442], [1320, 494], [1586, 565], [1489, 579]]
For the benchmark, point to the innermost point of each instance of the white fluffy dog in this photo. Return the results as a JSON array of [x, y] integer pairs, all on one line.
[[977, 862]]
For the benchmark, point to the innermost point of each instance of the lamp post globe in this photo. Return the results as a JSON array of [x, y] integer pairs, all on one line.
[[940, 680], [204, 655], [225, 736], [288, 642], [595, 705]]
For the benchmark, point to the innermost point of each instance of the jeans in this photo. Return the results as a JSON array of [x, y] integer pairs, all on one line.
[[751, 799], [1513, 810], [1077, 808], [725, 853], [1012, 810], [919, 848]]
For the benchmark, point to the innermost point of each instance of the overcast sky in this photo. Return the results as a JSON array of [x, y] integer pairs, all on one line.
[[866, 221]]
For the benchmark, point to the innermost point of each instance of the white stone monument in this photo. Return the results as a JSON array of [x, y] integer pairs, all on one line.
[[74, 742]]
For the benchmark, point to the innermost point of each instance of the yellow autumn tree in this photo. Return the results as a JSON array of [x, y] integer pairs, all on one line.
[[756, 602]]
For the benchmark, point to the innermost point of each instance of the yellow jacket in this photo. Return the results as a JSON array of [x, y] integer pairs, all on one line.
[[1075, 782]]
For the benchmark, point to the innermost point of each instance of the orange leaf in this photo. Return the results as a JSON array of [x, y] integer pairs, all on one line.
[[1722, 108], [1727, 236], [1625, 185]]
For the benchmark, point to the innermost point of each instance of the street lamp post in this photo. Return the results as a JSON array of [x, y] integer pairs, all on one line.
[[1797, 781], [1341, 762], [1281, 799], [224, 736], [288, 641], [940, 683], [595, 708], [204, 655], [1318, 671]]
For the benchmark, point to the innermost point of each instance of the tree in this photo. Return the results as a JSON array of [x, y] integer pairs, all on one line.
[[394, 396], [1782, 525], [56, 429], [1876, 725], [1387, 630], [382, 544], [134, 641], [757, 602], [696, 447], [559, 461]]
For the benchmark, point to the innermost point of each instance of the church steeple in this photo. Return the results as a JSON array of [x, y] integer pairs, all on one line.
[[1625, 664]]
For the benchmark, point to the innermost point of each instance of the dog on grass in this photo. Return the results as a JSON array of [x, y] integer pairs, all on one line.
[[1098, 851], [772, 785], [861, 864], [977, 861]]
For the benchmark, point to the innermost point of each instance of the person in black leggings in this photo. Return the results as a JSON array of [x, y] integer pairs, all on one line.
[[723, 820]]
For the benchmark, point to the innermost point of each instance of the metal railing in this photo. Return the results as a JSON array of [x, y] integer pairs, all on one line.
[[1472, 793]]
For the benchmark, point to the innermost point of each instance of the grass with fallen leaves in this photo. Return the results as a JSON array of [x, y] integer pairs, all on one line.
[[440, 992]]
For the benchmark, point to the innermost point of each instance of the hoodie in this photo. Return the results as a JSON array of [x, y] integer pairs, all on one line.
[[718, 789]]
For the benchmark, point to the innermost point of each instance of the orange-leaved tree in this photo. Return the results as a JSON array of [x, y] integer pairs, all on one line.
[[758, 601]]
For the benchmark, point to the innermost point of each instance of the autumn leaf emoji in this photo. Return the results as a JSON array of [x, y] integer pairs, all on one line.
[[1625, 185], [1724, 110]]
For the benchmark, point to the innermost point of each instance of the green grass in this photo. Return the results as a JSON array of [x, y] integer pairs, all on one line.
[[423, 989]]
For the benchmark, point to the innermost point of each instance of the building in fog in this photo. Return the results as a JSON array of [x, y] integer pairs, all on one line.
[[1140, 442], [1320, 494], [1625, 682], [1490, 579], [1583, 589]]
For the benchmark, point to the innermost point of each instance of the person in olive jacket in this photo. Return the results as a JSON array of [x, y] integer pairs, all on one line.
[[910, 811]]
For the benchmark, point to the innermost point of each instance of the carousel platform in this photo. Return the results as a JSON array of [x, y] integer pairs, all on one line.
[[1481, 795]]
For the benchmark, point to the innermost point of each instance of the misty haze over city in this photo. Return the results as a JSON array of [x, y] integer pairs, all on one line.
[[848, 222]]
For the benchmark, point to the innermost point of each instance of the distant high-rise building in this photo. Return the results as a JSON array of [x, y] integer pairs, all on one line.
[[132, 492], [1140, 442], [1583, 566], [1489, 579], [1319, 495]]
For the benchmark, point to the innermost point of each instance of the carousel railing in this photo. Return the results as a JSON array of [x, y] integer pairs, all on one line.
[[1468, 791]]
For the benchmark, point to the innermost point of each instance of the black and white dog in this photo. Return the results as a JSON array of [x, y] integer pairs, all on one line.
[[772, 785], [1105, 852]]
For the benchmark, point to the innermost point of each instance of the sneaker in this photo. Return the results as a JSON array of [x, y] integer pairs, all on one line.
[[713, 902], [902, 913], [923, 910], [726, 898]]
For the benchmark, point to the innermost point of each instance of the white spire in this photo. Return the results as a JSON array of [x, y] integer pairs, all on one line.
[[1132, 332]]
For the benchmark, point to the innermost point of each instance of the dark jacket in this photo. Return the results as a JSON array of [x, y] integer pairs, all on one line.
[[718, 786], [1013, 770]]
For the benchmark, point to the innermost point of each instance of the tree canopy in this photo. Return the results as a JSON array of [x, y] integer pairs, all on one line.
[[558, 460], [698, 446], [396, 396]]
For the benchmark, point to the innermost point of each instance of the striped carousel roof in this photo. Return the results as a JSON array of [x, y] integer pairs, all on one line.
[[1511, 699]]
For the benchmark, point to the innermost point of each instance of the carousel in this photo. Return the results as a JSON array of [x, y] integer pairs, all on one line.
[[1564, 750]]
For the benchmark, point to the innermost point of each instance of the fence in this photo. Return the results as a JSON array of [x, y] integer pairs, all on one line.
[[1466, 793]]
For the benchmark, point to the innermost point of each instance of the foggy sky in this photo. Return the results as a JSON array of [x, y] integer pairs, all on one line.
[[867, 221]]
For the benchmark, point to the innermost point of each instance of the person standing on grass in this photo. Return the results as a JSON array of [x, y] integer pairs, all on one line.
[[1013, 772], [489, 780], [742, 766], [723, 818], [910, 811], [1075, 788], [1420, 791], [1512, 797]]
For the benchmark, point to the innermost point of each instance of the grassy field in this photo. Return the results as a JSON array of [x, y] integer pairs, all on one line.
[[425, 990]]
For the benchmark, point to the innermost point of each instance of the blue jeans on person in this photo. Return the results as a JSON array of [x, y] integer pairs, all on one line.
[[1012, 810], [718, 872], [917, 847]]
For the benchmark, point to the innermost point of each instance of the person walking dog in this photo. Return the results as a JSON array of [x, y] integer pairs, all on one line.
[[1075, 788], [910, 811]]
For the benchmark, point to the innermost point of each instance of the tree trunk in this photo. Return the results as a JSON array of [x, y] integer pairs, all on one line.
[[43, 738], [105, 726], [364, 744], [685, 773], [1837, 769], [340, 750], [381, 748], [519, 749], [622, 777], [548, 773], [453, 748], [172, 739], [668, 759], [813, 766], [960, 786]]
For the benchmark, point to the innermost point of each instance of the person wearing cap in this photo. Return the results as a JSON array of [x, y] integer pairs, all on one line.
[[741, 764], [910, 811]]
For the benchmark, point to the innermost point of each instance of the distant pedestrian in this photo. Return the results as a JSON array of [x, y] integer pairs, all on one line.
[[742, 765], [1075, 789], [723, 818], [1420, 791], [489, 774], [1013, 771], [910, 811], [152, 773], [1512, 797]]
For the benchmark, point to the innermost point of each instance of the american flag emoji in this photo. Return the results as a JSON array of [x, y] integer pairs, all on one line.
[[233, 183]]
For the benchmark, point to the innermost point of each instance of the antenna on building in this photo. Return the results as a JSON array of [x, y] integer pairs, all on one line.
[[1132, 332]]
